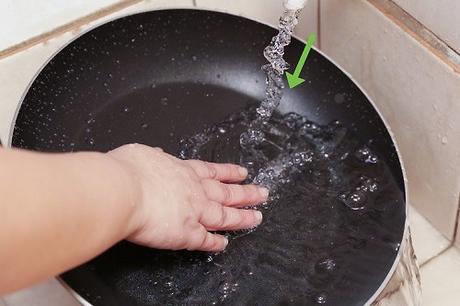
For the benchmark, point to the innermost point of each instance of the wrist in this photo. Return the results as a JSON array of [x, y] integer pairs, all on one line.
[[129, 193]]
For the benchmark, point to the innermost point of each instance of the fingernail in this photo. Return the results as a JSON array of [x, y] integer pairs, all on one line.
[[243, 171], [264, 192], [258, 215]]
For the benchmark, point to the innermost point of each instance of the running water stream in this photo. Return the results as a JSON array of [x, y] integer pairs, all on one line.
[[274, 71]]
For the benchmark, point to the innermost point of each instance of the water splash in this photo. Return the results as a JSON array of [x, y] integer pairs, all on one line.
[[322, 194]]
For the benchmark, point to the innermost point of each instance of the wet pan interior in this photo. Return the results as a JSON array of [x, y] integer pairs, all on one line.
[[159, 76]]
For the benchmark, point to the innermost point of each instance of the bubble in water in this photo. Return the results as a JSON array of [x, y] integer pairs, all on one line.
[[252, 138], [365, 155], [368, 184], [321, 298], [164, 101], [325, 265], [90, 141], [126, 109], [144, 126], [355, 200]]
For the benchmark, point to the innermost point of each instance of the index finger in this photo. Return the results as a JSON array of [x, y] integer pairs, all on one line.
[[222, 172]]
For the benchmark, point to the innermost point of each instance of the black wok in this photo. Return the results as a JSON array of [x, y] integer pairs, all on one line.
[[108, 88]]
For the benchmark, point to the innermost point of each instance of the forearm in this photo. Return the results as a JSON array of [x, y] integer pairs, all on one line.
[[58, 211]]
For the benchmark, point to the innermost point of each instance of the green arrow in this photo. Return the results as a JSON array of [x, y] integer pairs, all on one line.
[[294, 79]]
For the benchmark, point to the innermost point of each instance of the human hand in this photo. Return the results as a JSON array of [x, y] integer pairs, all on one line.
[[177, 202]]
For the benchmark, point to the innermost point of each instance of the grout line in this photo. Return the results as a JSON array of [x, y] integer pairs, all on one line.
[[437, 255], [452, 243], [318, 23], [456, 221], [419, 32], [194, 3], [67, 27]]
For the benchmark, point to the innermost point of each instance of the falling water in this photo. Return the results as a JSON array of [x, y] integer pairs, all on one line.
[[274, 71]]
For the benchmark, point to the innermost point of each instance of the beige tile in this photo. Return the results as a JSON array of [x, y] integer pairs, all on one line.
[[417, 95], [441, 17], [48, 293], [266, 11], [441, 280], [23, 19], [428, 242], [2, 303], [16, 71]]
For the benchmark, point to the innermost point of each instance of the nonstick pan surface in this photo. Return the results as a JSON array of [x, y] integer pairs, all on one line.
[[159, 76]]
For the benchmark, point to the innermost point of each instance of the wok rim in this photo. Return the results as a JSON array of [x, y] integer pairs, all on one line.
[[403, 243]]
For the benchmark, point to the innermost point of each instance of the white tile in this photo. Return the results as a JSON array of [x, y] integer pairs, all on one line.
[[266, 11], [49, 293], [428, 241], [17, 70], [24, 19], [441, 280], [2, 303], [440, 16], [417, 95]]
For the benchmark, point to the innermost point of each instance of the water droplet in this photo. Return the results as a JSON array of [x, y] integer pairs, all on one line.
[[325, 265], [365, 155], [321, 298], [164, 101], [355, 200], [444, 140]]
